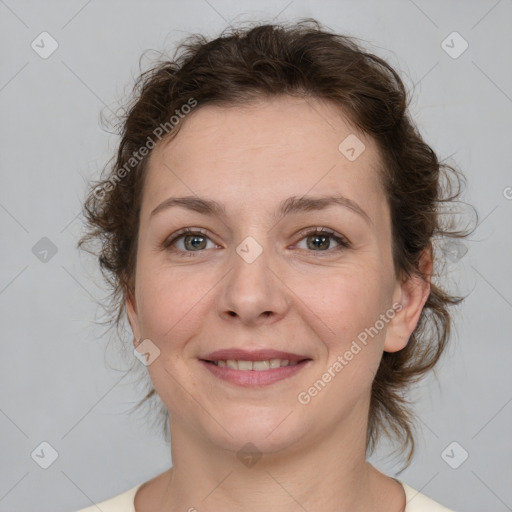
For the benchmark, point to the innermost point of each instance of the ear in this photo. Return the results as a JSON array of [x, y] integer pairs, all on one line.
[[412, 295], [131, 312]]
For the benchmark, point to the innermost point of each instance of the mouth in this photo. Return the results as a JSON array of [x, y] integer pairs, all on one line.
[[249, 369], [257, 366]]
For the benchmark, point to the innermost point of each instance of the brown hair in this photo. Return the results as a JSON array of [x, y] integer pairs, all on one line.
[[303, 60]]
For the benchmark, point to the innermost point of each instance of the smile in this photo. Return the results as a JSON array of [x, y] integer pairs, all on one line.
[[257, 366], [254, 373]]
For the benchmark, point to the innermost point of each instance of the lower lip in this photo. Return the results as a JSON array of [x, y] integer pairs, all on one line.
[[254, 378]]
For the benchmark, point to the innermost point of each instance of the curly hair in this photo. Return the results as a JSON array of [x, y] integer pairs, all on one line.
[[303, 60]]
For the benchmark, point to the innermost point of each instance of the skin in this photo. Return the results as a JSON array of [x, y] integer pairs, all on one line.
[[292, 297]]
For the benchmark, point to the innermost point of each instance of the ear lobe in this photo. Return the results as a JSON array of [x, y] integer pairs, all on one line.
[[413, 294]]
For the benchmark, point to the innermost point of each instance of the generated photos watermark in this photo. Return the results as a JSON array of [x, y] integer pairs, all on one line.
[[159, 132], [305, 397]]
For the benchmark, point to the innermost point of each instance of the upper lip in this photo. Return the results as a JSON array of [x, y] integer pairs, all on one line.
[[251, 355]]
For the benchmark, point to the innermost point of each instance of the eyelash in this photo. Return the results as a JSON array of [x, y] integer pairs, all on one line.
[[342, 241]]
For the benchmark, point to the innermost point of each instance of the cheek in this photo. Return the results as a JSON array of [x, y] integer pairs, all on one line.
[[170, 301], [348, 300], [350, 304]]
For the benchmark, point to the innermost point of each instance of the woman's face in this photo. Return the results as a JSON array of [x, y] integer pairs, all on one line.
[[254, 276]]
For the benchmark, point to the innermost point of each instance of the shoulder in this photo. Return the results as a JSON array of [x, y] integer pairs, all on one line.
[[121, 503], [417, 502]]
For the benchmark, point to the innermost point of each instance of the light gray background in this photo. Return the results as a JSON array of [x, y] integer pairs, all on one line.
[[55, 384]]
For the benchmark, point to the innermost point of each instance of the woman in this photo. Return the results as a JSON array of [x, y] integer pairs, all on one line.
[[268, 229]]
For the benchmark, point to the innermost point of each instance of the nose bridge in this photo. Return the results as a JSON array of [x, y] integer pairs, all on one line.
[[251, 290]]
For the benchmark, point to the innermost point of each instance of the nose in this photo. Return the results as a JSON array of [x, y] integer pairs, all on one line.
[[252, 292]]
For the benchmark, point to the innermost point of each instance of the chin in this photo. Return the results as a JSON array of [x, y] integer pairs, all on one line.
[[268, 433]]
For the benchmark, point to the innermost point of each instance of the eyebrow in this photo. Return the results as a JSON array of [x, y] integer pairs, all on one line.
[[291, 205]]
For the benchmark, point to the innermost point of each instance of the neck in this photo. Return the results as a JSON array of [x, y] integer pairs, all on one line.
[[330, 475]]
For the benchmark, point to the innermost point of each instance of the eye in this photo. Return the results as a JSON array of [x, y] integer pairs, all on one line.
[[320, 240], [194, 240], [189, 240]]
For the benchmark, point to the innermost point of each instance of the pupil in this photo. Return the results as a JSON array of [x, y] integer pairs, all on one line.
[[324, 244], [195, 241]]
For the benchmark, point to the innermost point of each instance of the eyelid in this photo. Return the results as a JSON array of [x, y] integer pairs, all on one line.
[[343, 241], [169, 241], [340, 239]]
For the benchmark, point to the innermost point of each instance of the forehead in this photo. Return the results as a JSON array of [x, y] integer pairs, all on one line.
[[264, 151]]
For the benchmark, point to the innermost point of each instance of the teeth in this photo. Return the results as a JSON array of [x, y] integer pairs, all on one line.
[[255, 365], [258, 365], [244, 365]]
